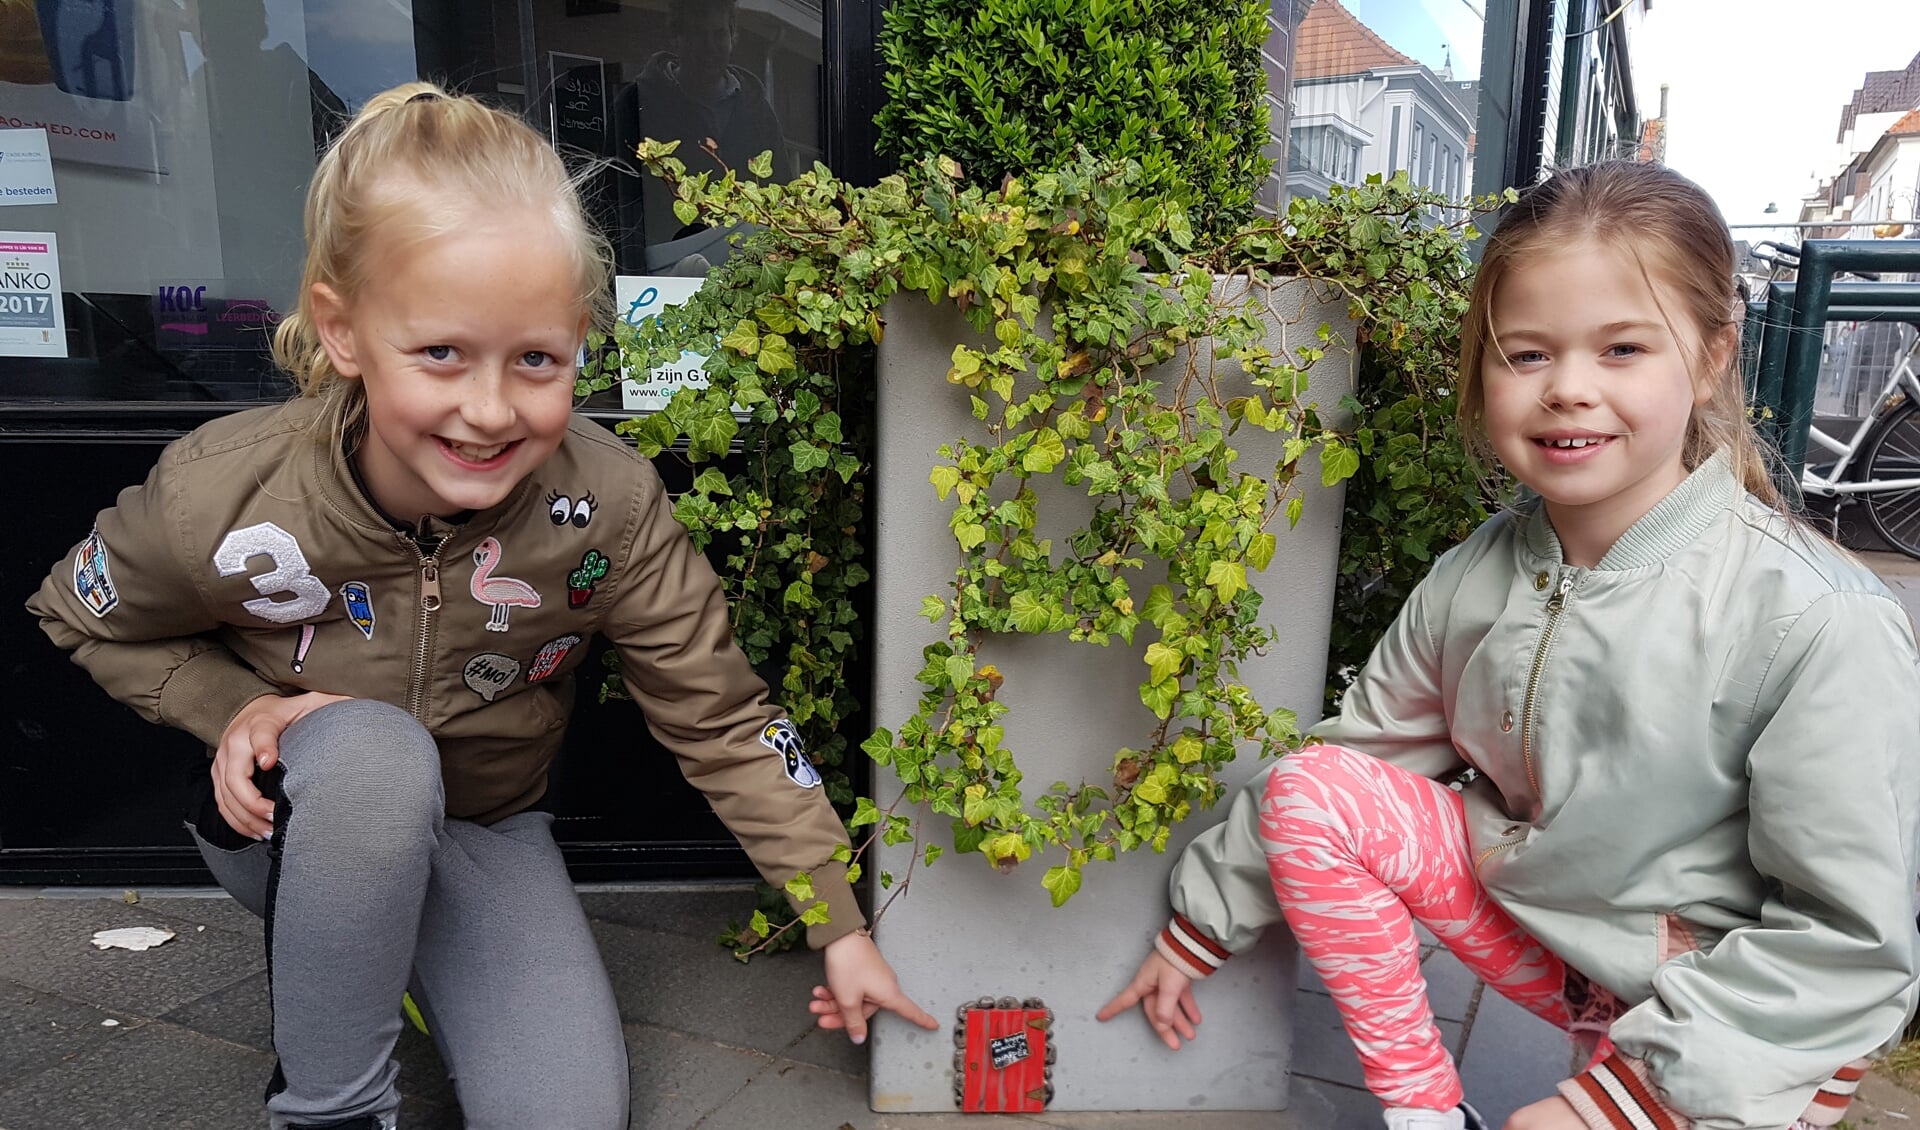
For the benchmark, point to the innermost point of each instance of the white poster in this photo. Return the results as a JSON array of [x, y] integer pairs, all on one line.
[[26, 168], [32, 323], [93, 131], [641, 297]]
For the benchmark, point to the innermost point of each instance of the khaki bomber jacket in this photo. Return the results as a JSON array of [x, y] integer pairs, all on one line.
[[251, 563]]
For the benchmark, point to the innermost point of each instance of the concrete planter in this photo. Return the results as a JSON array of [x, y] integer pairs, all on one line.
[[964, 931]]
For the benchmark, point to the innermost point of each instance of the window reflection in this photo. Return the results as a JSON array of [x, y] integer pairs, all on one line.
[[1383, 87]]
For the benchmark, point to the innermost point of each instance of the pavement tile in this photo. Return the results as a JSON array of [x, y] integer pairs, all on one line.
[[702, 912], [679, 982], [239, 1014], [795, 1094], [1512, 1058], [218, 912], [677, 1079], [45, 944], [1321, 1049], [156, 1075], [39, 1030], [242, 1014]]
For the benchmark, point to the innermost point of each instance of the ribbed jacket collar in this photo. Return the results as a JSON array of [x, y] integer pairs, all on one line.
[[1689, 511]]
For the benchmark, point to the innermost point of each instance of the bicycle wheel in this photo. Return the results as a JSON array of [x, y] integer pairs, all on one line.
[[1893, 452]]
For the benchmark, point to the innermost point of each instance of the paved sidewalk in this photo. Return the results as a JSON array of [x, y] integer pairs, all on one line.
[[714, 1045]]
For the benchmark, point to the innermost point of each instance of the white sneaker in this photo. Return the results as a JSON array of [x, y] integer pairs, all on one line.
[[1462, 1117]]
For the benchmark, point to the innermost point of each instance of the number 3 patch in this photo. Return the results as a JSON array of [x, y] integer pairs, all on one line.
[[290, 578]]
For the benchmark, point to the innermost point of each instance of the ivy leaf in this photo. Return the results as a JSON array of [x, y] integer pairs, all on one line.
[[816, 915], [1061, 883], [865, 812], [776, 355], [933, 852], [944, 479], [842, 853], [1295, 506], [1338, 462], [1228, 578], [1260, 551], [970, 535], [711, 434], [933, 608], [712, 481], [1187, 748], [762, 166], [1029, 613], [808, 456], [744, 340], [959, 669], [1159, 697], [1045, 453], [1158, 607], [800, 886], [879, 746], [1006, 849], [758, 925], [685, 212], [1163, 661]]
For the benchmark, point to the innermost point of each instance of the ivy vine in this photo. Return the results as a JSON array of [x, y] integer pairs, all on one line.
[[1108, 358]]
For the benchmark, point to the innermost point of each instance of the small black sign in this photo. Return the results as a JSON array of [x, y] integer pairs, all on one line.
[[1009, 1050]]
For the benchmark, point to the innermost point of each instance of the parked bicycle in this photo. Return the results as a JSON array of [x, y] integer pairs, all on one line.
[[1879, 464]]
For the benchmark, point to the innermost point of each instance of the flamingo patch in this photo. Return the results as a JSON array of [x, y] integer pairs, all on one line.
[[783, 739], [502, 594]]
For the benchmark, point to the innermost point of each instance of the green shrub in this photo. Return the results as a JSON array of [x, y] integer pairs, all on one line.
[[1012, 87]]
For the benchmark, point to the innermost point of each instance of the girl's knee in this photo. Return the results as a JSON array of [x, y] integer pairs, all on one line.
[[340, 749], [1312, 769]]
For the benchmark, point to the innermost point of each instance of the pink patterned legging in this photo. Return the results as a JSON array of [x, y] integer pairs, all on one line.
[[1368, 849]]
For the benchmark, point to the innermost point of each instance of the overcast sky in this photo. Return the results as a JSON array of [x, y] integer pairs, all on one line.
[[1757, 87]]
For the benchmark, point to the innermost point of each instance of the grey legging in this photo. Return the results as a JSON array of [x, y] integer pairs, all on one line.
[[369, 889]]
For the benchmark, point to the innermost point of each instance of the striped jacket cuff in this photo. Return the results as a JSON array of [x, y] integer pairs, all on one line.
[[1830, 1102], [1615, 1094], [1191, 951]]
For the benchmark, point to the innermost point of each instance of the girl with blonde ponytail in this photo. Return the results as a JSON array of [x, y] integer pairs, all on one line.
[[370, 603]]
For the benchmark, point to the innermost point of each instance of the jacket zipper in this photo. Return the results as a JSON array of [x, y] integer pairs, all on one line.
[[1487, 853], [1556, 604], [423, 646]]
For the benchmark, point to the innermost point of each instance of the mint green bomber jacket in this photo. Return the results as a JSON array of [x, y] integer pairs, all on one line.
[[1718, 724]]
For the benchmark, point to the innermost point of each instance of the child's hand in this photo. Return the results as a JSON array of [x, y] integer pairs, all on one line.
[[1165, 994], [253, 740], [1555, 1113], [859, 984]]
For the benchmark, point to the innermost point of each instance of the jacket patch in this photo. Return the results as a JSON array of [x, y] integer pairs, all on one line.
[[783, 739], [550, 656], [92, 579], [575, 512], [593, 569], [300, 649], [305, 598], [502, 594], [489, 673], [359, 601]]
